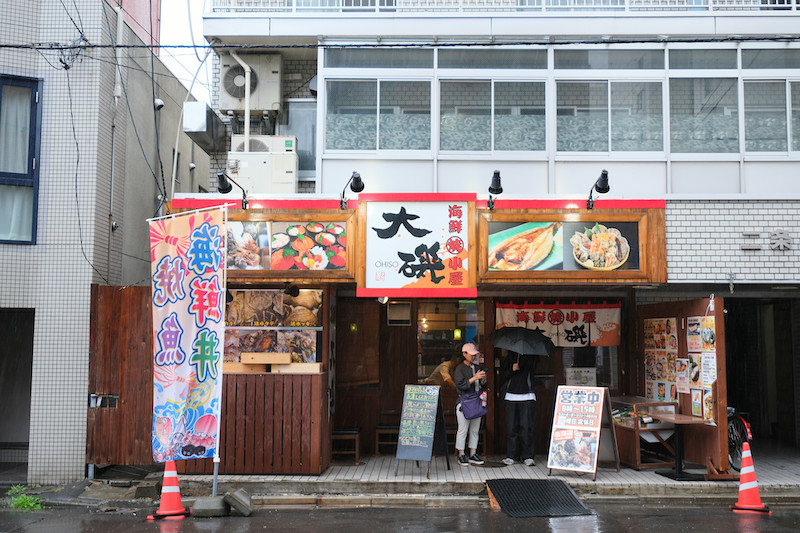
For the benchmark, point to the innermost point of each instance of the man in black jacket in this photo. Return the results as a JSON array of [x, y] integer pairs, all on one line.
[[517, 375]]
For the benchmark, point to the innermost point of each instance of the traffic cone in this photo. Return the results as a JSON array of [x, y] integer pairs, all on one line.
[[171, 507], [749, 498]]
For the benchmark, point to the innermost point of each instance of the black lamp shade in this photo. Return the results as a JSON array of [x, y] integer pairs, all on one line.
[[495, 187], [223, 185], [356, 184], [602, 185]]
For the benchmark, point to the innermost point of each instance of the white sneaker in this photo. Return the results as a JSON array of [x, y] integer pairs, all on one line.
[[508, 461], [530, 462]]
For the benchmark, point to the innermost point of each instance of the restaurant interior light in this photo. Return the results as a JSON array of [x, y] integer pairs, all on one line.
[[224, 186], [356, 185], [601, 186], [495, 188]]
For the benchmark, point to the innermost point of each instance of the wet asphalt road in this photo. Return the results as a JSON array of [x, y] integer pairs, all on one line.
[[617, 517]]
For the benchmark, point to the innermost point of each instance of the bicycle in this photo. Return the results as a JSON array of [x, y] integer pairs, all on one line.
[[738, 434]]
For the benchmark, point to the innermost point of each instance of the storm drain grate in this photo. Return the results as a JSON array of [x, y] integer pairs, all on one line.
[[522, 498]]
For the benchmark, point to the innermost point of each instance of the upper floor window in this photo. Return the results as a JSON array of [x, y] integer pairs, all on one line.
[[702, 59], [483, 59], [19, 144], [609, 59], [378, 58], [704, 115]]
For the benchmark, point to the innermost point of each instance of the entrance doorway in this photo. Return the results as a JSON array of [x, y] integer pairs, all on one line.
[[16, 371]]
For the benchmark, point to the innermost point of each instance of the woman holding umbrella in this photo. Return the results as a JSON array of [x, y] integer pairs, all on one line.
[[517, 373]]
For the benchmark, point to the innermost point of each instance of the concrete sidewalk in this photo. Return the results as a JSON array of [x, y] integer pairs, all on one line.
[[373, 483]]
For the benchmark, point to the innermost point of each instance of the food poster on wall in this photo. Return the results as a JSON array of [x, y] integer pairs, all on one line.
[[682, 375], [538, 246], [566, 325], [693, 341], [709, 372], [270, 321], [708, 334], [708, 405], [187, 255], [418, 248], [697, 401], [265, 245], [695, 369], [661, 351], [576, 428]]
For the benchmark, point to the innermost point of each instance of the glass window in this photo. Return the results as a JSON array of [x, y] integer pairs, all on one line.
[[519, 116], [636, 117], [300, 120], [795, 92], [378, 58], [352, 115], [18, 151], [771, 58], [465, 115], [405, 118], [534, 59], [765, 116], [704, 115], [609, 59], [582, 116], [702, 59], [442, 327], [603, 359]]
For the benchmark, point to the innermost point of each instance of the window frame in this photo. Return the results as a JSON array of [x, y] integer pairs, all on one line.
[[31, 177]]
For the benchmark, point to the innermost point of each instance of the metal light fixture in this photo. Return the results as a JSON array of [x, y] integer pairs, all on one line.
[[383, 299], [495, 188], [224, 186], [356, 185], [601, 186]]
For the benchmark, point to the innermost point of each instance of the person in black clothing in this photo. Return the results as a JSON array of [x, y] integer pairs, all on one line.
[[517, 374], [468, 378]]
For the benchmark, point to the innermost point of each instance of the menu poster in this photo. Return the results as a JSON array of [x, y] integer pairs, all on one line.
[[682, 375], [709, 372], [708, 405], [697, 402], [708, 334], [695, 369], [418, 422], [693, 341], [576, 428]]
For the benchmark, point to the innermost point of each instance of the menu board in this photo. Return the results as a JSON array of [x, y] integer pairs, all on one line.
[[661, 364], [575, 441], [418, 422]]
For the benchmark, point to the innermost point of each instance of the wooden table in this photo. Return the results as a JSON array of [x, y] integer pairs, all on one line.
[[679, 420]]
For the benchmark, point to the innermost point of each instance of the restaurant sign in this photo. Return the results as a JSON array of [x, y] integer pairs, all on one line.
[[417, 248], [567, 325]]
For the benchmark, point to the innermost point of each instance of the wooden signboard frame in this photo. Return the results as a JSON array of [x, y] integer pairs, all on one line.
[[422, 429], [579, 424]]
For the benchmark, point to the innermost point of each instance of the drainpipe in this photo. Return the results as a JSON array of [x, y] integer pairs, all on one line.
[[117, 95], [246, 68]]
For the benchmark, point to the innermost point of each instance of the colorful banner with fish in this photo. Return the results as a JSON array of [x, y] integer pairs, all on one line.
[[566, 324], [187, 254]]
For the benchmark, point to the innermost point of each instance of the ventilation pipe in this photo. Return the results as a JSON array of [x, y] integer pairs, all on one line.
[[246, 68]]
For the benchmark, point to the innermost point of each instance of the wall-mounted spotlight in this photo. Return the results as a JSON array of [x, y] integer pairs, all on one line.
[[495, 188], [356, 185], [601, 186], [383, 299], [224, 186], [291, 290]]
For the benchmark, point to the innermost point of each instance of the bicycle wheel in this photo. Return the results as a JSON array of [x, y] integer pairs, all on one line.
[[737, 435]]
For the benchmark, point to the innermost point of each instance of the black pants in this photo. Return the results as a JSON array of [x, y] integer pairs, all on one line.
[[520, 418]]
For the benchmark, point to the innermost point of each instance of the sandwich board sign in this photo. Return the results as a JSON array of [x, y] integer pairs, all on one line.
[[421, 426]]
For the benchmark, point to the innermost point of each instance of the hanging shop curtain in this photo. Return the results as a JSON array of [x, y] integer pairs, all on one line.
[[567, 325]]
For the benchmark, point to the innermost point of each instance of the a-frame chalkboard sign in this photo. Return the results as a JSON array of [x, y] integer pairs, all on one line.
[[422, 430]]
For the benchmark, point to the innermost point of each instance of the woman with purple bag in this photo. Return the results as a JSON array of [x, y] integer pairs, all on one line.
[[468, 378]]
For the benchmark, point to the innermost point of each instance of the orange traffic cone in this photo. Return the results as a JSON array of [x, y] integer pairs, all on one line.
[[749, 498], [171, 507]]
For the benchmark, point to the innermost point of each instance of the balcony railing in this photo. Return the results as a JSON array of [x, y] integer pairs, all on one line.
[[543, 6]]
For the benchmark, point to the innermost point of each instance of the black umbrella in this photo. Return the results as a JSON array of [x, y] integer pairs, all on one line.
[[522, 341]]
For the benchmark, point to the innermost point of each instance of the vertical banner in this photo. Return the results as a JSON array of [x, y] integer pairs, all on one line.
[[187, 255]]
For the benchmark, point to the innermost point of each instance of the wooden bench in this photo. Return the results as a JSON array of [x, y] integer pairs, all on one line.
[[347, 434], [384, 436]]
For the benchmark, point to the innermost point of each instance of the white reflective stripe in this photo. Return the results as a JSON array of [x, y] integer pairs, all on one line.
[[746, 453], [170, 474], [748, 486], [170, 489], [747, 470]]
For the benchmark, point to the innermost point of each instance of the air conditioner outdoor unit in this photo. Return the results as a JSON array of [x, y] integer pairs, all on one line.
[[265, 143], [265, 82], [263, 172]]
